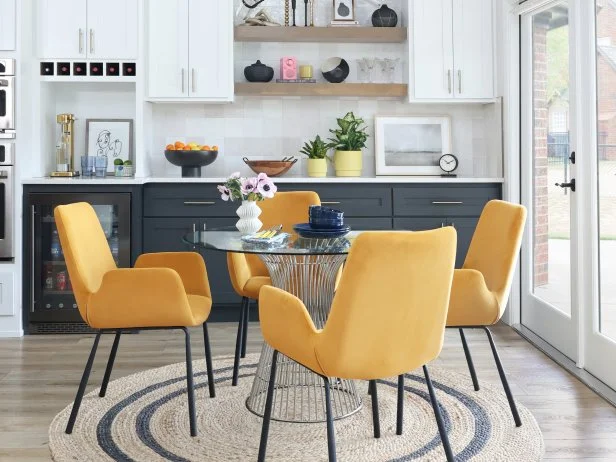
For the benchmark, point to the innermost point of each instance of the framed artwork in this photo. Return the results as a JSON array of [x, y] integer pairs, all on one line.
[[111, 138], [411, 145], [344, 10]]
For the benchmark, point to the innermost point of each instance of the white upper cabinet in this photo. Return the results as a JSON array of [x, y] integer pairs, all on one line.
[[93, 29], [7, 25], [473, 48], [168, 48], [190, 49], [453, 50], [112, 29], [62, 29]]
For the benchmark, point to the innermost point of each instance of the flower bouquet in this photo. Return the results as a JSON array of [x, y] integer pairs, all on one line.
[[249, 191]]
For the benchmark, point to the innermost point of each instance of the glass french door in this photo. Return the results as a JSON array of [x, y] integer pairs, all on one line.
[[549, 258]]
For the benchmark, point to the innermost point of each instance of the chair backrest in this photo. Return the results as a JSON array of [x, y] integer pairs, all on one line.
[[85, 248], [287, 209], [495, 246], [388, 315]]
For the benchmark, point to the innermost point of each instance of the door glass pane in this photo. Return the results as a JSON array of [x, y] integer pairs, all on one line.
[[606, 130], [551, 220]]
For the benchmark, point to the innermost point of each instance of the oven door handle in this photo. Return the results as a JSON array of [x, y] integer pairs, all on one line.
[[32, 259]]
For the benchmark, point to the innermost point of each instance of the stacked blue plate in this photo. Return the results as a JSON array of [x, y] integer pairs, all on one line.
[[325, 223], [307, 230]]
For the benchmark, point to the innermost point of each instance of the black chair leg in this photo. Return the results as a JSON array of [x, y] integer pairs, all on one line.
[[469, 360], [238, 344], [267, 416], [439, 418], [208, 361], [331, 436], [245, 328], [503, 377], [82, 385], [376, 424], [400, 414], [112, 355], [190, 385]]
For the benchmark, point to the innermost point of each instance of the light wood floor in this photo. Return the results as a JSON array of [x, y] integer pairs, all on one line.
[[39, 376]]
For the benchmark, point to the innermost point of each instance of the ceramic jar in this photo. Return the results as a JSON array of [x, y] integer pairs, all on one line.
[[258, 72], [249, 221], [384, 17]]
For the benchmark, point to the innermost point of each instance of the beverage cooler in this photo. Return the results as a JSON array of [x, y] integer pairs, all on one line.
[[52, 306]]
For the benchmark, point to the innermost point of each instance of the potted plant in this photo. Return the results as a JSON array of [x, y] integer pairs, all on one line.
[[348, 141], [316, 150], [249, 191]]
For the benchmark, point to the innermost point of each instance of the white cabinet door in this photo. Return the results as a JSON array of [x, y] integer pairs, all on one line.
[[433, 49], [167, 32], [210, 46], [473, 48], [112, 29], [62, 29], [7, 25]]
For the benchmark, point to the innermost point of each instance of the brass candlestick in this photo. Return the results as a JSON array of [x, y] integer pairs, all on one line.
[[286, 12]]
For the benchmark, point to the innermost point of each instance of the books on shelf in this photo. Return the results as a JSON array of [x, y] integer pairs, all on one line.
[[344, 24], [296, 81]]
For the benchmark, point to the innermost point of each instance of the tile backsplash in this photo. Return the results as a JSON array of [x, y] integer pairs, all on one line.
[[272, 128]]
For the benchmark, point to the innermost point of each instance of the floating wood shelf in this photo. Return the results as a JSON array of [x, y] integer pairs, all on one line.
[[322, 89], [320, 34]]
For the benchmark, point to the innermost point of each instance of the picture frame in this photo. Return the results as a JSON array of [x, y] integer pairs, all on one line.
[[341, 7], [112, 138], [411, 145]]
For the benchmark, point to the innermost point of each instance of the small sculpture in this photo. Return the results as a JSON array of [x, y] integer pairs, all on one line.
[[262, 18]]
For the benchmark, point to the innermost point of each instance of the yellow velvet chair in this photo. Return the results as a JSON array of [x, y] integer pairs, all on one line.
[[481, 288], [408, 277], [248, 273], [162, 291]]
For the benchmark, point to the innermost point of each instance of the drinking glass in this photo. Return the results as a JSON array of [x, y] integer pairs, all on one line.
[[362, 70], [370, 63], [391, 65], [87, 166], [100, 165]]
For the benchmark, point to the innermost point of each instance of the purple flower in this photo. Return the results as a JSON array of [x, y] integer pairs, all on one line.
[[225, 194], [265, 186], [249, 185]]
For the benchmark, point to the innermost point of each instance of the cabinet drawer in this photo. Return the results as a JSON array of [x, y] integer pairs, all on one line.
[[443, 200], [353, 200], [199, 200], [369, 224]]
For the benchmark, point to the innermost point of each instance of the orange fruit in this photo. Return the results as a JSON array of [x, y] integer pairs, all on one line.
[[179, 145], [214, 148], [205, 147], [170, 147]]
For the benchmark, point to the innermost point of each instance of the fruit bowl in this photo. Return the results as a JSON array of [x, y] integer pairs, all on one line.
[[191, 161], [271, 167]]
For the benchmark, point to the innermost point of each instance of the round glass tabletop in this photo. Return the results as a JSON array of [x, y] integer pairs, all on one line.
[[230, 240]]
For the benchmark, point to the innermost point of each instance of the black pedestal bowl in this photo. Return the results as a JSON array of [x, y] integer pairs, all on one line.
[[191, 161]]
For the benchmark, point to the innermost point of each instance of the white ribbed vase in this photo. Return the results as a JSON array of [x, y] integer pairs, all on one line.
[[249, 221]]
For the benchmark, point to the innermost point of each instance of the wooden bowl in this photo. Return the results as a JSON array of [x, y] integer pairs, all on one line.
[[271, 167]]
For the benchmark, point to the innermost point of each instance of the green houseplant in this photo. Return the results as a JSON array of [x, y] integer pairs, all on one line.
[[316, 150], [348, 139]]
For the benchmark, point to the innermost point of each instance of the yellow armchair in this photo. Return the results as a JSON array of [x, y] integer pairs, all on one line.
[[481, 288], [248, 273], [408, 276], [163, 291]]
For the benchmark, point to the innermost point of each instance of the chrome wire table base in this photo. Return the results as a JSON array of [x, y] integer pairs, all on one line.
[[299, 395]]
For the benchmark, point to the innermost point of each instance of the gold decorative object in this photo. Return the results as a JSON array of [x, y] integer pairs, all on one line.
[[286, 12], [305, 72], [312, 2]]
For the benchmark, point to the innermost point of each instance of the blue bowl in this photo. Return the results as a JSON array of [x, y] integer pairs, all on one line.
[[326, 223], [316, 211]]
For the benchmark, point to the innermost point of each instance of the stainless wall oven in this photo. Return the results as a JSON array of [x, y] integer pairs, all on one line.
[[7, 96], [6, 199]]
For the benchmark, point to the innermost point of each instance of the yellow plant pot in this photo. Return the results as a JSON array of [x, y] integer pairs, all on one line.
[[317, 167], [348, 163]]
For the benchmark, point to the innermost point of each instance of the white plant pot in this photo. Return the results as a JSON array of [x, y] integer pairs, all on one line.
[[249, 221]]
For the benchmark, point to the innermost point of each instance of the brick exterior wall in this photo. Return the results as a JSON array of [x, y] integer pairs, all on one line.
[[540, 154], [606, 82]]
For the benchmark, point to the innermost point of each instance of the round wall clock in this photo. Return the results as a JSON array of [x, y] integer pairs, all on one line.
[[448, 163]]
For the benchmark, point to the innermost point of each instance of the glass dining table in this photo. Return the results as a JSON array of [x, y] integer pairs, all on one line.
[[308, 269]]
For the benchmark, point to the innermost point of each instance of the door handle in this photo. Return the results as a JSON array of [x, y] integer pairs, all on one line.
[[572, 157], [92, 41], [459, 81], [449, 81], [182, 80], [32, 258], [80, 41], [199, 202], [571, 185], [194, 85]]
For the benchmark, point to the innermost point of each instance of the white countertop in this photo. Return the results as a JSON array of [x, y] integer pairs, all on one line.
[[283, 179]]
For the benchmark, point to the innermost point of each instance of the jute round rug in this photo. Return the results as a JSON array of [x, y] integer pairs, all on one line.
[[144, 417]]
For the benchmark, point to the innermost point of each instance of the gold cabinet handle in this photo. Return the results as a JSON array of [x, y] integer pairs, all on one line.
[[199, 202]]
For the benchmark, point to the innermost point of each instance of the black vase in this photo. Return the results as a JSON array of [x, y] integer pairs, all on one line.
[[258, 72], [384, 17]]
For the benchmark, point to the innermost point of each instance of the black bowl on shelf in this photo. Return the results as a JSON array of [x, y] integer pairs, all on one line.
[[335, 70], [191, 161], [258, 72]]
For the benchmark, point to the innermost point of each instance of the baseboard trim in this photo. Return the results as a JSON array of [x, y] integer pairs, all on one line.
[[592, 382], [11, 333]]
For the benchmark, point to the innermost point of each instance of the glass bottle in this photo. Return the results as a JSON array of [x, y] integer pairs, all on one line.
[[62, 155], [114, 244]]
